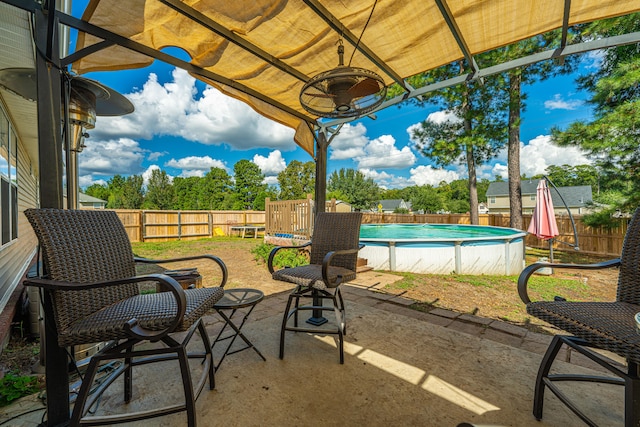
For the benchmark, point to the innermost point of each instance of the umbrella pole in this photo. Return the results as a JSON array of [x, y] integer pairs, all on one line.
[[550, 250]]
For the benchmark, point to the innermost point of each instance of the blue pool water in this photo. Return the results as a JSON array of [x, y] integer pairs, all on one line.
[[430, 231]]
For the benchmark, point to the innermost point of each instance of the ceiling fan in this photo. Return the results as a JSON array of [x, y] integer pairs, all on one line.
[[343, 91]]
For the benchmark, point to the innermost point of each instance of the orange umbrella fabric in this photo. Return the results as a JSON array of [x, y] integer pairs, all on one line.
[[543, 222]]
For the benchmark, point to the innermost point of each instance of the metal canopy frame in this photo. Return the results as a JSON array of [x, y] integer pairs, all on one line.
[[111, 38], [49, 76]]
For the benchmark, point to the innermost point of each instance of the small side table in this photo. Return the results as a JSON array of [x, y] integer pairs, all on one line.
[[233, 300]]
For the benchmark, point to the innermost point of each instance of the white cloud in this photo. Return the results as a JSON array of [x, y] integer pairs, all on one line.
[[152, 157], [271, 165], [498, 169], [146, 175], [85, 181], [593, 59], [423, 175], [196, 166], [122, 156], [173, 109], [349, 143], [557, 103], [385, 180], [270, 180], [352, 143], [383, 153], [539, 154], [444, 116]]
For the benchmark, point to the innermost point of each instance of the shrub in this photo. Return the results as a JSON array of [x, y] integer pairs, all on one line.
[[284, 257], [13, 386]]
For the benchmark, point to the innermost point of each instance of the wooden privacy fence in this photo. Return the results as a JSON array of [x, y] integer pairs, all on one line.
[[291, 218], [591, 240], [160, 226], [294, 218]]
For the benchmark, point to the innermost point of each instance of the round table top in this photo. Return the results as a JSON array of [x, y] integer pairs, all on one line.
[[239, 297]]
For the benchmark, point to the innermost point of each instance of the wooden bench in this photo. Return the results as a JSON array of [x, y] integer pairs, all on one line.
[[252, 229]]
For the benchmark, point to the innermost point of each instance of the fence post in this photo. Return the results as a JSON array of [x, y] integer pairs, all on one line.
[[143, 225], [310, 216]]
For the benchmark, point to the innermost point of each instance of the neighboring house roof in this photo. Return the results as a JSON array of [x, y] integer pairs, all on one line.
[[393, 204], [85, 198], [576, 196]]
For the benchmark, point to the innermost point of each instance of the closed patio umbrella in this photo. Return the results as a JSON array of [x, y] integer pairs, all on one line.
[[543, 222]]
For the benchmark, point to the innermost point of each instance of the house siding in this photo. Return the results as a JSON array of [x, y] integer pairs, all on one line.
[[16, 256], [576, 197]]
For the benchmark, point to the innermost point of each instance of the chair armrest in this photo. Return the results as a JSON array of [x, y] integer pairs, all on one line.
[[221, 264], [527, 272], [326, 262], [132, 324], [273, 252]]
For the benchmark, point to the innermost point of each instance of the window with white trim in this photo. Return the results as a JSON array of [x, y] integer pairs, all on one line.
[[8, 181]]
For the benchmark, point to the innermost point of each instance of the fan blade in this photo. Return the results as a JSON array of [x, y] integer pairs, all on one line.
[[363, 88], [319, 95]]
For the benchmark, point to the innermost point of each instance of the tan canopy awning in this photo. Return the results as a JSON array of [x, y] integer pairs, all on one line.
[[263, 51]]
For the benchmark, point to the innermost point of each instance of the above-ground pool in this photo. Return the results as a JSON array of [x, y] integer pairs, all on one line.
[[443, 248]]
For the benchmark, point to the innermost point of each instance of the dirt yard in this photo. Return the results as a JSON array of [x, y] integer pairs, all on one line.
[[487, 296]]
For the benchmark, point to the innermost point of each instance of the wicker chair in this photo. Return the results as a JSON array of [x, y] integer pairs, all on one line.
[[601, 325], [333, 259], [90, 289]]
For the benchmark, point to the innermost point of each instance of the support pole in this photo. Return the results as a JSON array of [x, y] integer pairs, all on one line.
[[322, 145], [49, 119], [51, 196]]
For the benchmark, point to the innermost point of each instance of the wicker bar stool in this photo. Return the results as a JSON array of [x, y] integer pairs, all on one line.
[[90, 290], [607, 326], [334, 256]]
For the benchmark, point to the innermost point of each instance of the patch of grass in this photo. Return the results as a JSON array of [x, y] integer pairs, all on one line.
[[408, 281], [175, 248], [546, 288], [424, 307], [481, 281], [283, 258]]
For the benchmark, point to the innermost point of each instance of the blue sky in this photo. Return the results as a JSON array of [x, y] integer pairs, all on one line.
[[185, 128]]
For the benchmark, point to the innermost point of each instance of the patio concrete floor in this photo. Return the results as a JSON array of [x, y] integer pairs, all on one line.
[[402, 368]]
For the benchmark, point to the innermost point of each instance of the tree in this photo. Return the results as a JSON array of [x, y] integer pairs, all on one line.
[[455, 195], [611, 139], [115, 185], [297, 180], [100, 191], [187, 193], [132, 192], [160, 194], [359, 191], [569, 176], [392, 194], [514, 80], [259, 203], [247, 183], [426, 198], [474, 132], [214, 190]]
